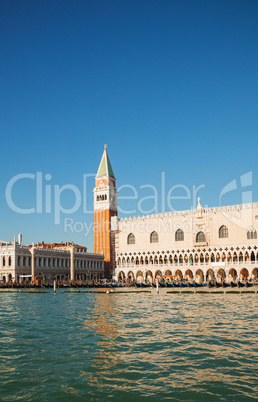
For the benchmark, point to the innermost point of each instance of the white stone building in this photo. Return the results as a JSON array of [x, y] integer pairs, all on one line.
[[201, 243], [64, 261]]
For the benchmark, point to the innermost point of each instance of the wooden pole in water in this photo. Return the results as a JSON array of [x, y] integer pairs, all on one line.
[[54, 286], [157, 285]]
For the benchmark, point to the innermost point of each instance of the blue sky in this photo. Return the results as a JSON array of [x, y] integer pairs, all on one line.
[[170, 86]]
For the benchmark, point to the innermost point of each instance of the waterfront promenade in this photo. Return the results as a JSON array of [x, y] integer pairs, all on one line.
[[153, 291]]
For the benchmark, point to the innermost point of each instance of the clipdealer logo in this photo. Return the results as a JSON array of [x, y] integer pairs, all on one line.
[[245, 189], [50, 198]]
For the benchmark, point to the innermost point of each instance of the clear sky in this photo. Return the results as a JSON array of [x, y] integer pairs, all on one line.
[[170, 86]]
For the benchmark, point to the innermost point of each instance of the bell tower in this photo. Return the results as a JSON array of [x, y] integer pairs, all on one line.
[[105, 206]]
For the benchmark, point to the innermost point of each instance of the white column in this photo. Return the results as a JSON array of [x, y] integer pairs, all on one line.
[[32, 250], [72, 263]]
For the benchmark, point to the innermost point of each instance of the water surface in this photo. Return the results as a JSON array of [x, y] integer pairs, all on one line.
[[130, 347]]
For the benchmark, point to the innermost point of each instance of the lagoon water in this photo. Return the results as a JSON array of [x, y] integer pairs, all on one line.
[[85, 346]]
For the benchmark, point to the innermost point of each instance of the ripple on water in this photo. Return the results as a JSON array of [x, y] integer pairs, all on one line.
[[189, 347]]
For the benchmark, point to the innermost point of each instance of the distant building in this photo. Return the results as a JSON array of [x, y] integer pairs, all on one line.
[[64, 261], [202, 243]]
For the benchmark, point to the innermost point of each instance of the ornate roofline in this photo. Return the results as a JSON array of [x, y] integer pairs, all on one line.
[[235, 207]]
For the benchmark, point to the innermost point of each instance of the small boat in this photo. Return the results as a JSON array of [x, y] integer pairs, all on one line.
[[114, 285], [211, 284], [170, 284], [146, 285], [219, 284], [177, 285], [241, 284], [139, 285], [163, 285], [249, 284], [233, 284], [225, 284], [192, 284]]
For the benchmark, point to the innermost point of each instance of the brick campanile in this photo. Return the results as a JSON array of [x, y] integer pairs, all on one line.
[[105, 206]]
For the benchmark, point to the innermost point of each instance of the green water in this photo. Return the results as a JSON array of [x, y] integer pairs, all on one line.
[[85, 346]]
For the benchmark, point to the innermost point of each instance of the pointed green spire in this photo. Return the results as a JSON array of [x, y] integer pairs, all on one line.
[[105, 167]]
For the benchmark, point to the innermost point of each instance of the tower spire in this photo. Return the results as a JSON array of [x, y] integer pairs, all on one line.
[[105, 167]]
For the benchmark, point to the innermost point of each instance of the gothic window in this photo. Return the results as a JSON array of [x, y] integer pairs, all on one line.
[[154, 237], [131, 239], [179, 235], [223, 232], [10, 261], [251, 234], [200, 237]]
